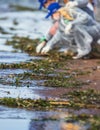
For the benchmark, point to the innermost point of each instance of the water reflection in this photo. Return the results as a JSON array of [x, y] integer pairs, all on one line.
[[21, 119], [23, 124], [44, 125], [57, 125]]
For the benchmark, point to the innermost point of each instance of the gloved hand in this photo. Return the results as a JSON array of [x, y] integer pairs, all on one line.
[[46, 49], [40, 46], [71, 4], [68, 28]]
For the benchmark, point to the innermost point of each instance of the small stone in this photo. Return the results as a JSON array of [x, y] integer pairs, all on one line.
[[95, 83], [94, 68], [88, 81], [98, 67]]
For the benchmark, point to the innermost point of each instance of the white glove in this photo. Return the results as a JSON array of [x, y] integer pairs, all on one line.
[[40, 46], [45, 49], [71, 4], [68, 28]]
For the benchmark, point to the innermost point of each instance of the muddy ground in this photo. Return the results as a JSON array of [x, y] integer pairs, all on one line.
[[89, 67]]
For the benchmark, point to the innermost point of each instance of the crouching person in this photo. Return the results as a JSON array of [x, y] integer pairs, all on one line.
[[54, 27], [72, 24], [85, 30], [52, 31], [59, 14], [85, 38]]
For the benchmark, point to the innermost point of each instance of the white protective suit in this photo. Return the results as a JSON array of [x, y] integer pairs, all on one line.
[[84, 30]]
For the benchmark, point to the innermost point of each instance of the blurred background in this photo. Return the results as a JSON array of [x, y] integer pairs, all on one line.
[[12, 5], [6, 5]]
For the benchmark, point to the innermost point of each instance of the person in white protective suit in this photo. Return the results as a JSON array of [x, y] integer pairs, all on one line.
[[45, 3], [68, 28]]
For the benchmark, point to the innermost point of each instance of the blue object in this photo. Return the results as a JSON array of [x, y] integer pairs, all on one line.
[[42, 2], [52, 8]]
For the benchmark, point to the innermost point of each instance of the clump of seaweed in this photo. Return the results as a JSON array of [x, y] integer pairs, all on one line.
[[21, 8], [84, 98], [25, 44]]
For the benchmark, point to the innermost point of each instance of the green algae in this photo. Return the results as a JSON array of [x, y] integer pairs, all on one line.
[[25, 44], [93, 121], [21, 8], [61, 81], [26, 103], [84, 98], [40, 71], [75, 99], [49, 68]]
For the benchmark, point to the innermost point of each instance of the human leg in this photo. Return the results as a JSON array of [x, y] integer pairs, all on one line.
[[83, 42]]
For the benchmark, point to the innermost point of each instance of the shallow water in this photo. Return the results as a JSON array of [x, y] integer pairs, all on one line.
[[19, 119], [4, 72], [10, 57], [29, 23], [22, 92]]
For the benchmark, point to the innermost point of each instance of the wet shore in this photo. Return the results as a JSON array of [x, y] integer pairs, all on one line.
[[43, 92]]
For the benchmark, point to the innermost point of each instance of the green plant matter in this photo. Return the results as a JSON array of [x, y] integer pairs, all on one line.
[[32, 104], [21, 8], [92, 120], [25, 44], [84, 98], [61, 81]]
